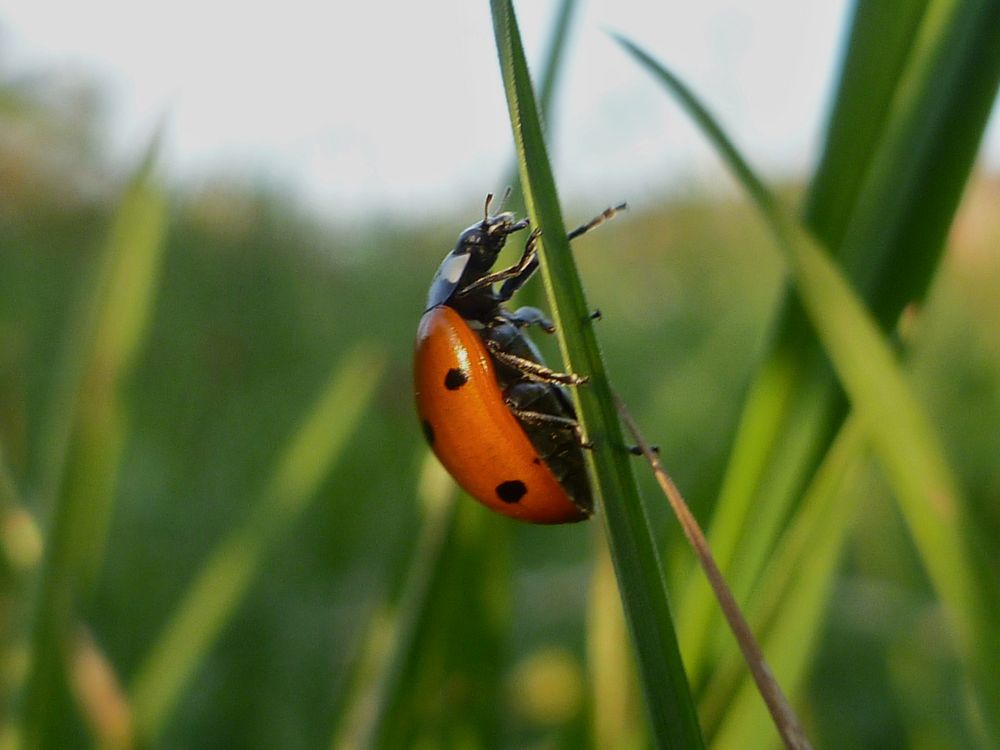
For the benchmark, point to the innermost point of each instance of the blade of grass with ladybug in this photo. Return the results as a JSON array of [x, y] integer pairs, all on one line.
[[640, 573]]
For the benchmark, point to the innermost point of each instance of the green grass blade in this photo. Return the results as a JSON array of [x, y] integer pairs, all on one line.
[[392, 637], [946, 78], [896, 235], [130, 285], [640, 573], [795, 405], [767, 451], [551, 72], [795, 401], [894, 421], [898, 229], [107, 326], [223, 581], [881, 39], [88, 433], [794, 592], [554, 56], [453, 625], [616, 711], [20, 552]]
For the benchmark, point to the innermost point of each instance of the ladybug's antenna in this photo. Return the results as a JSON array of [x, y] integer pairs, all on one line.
[[506, 195], [486, 208]]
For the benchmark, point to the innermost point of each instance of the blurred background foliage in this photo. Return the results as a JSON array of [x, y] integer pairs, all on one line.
[[239, 405]]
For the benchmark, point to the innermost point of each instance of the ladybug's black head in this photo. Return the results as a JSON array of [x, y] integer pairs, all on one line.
[[484, 241], [474, 255]]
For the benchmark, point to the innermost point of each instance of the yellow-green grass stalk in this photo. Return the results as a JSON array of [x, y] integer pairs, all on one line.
[[915, 91], [616, 702], [441, 684], [219, 588], [641, 578], [87, 429], [390, 641], [892, 418]]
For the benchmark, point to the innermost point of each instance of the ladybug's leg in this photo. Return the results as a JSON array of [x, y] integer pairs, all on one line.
[[510, 287], [605, 215], [526, 316], [635, 450], [533, 405], [523, 268], [531, 369], [540, 419]]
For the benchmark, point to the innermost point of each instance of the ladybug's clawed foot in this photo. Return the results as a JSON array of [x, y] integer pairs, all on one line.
[[605, 215], [596, 315], [635, 450], [581, 439], [526, 316]]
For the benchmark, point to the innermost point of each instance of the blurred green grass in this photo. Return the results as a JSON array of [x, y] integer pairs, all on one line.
[[254, 304]]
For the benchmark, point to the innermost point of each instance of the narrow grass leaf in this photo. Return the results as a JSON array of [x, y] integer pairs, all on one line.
[[106, 327], [637, 564], [881, 39], [391, 639], [88, 434], [895, 423], [552, 67], [794, 403], [616, 710], [897, 232], [795, 589], [451, 631], [782, 714], [554, 56], [916, 89], [135, 259], [99, 694], [220, 586]]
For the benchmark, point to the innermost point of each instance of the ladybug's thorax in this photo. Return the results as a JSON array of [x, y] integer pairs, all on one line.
[[473, 257]]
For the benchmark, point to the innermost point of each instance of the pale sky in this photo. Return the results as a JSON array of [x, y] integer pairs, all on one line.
[[356, 107]]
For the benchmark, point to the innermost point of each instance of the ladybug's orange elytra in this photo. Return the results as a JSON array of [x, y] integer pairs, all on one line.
[[473, 432]]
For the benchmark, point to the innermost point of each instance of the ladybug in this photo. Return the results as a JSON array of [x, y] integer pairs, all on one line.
[[499, 420]]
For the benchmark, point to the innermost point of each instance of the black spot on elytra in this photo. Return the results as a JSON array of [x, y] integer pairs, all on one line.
[[455, 379], [537, 461], [512, 491], [428, 431]]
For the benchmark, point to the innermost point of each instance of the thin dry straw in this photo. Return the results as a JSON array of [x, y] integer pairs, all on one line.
[[781, 710]]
